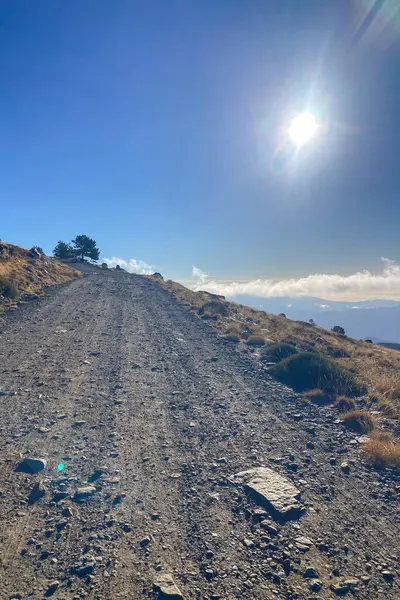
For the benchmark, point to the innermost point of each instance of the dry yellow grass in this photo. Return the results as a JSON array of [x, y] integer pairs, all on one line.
[[374, 366], [383, 450], [22, 273]]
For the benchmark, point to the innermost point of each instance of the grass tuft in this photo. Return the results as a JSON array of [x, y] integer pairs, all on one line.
[[308, 370], [277, 352], [255, 340], [233, 337], [359, 420], [344, 403], [8, 287], [383, 450], [318, 396]]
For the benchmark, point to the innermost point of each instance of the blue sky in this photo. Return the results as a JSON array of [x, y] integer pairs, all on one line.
[[155, 127]]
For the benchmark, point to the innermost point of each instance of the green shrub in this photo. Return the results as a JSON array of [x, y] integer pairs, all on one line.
[[277, 352], [307, 370], [255, 340]]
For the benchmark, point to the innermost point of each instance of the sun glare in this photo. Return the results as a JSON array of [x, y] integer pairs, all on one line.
[[302, 128]]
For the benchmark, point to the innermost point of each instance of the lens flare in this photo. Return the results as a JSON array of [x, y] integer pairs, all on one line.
[[60, 467], [302, 128]]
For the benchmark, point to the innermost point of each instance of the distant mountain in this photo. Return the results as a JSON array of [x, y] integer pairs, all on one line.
[[390, 345], [378, 320]]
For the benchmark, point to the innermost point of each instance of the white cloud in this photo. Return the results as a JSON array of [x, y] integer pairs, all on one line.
[[363, 284], [199, 274], [388, 261], [132, 265]]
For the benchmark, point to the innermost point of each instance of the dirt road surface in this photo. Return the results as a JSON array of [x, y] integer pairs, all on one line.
[[120, 388]]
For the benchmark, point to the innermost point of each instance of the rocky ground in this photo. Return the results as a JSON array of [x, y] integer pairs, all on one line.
[[142, 416]]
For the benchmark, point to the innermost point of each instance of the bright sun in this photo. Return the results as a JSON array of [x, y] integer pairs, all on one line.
[[302, 128]]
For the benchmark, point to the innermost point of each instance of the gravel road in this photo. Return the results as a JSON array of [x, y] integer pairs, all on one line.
[[122, 389]]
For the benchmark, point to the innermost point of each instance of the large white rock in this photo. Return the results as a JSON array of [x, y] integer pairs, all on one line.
[[84, 493], [270, 489], [167, 588]]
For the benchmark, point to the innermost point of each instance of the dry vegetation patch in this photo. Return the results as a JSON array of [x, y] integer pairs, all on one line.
[[383, 450], [25, 273], [375, 367]]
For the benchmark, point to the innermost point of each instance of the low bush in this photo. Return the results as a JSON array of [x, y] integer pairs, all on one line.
[[308, 370], [336, 351], [234, 328], [233, 333], [233, 337], [277, 352], [214, 307], [338, 329], [344, 403], [359, 420], [383, 450], [255, 340], [8, 288]]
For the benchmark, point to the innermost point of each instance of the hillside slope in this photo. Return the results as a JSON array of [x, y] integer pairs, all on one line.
[[126, 393], [24, 274], [374, 366]]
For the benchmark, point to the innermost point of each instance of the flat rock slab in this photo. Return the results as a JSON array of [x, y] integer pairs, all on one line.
[[167, 588], [272, 491], [32, 465], [84, 493]]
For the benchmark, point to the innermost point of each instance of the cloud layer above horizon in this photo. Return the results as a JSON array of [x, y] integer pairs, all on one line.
[[358, 286], [132, 265]]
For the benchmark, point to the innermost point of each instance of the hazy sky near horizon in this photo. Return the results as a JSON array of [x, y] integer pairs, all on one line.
[[159, 128]]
